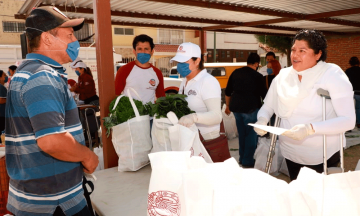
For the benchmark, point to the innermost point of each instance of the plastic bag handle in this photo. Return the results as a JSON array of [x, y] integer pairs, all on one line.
[[136, 111]]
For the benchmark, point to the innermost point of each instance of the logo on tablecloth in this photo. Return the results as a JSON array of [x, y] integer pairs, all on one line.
[[192, 92], [152, 82], [162, 203]]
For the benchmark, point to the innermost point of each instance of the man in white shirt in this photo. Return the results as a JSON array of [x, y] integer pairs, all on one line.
[[269, 56]]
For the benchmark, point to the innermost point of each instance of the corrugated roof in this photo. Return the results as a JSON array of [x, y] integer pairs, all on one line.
[[263, 16]]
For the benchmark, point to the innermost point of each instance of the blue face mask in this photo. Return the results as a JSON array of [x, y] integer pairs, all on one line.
[[183, 69], [77, 73], [143, 57], [73, 49], [6, 79], [9, 73], [269, 71]]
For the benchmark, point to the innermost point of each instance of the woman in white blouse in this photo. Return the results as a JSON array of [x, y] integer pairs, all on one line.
[[293, 97], [202, 89]]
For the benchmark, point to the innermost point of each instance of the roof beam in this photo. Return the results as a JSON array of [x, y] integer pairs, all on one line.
[[262, 11], [221, 24], [269, 21], [333, 13]]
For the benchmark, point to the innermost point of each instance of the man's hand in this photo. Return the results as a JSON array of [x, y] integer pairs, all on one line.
[[227, 110], [261, 121], [188, 120], [90, 163], [299, 132]]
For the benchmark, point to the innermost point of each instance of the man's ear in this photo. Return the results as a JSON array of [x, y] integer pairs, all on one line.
[[45, 39]]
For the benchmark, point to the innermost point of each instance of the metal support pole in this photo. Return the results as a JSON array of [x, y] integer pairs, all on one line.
[[105, 68], [214, 46], [272, 147]]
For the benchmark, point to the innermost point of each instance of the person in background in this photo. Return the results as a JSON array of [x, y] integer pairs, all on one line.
[[353, 74], [202, 89], [273, 69], [140, 75], [71, 83], [11, 72], [268, 57], [46, 156], [86, 85], [293, 97], [243, 94], [3, 95]]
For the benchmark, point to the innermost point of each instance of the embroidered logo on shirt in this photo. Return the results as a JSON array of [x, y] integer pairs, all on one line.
[[87, 83], [192, 92], [152, 82]]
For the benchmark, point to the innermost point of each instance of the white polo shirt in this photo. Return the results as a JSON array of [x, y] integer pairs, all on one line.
[[202, 87]]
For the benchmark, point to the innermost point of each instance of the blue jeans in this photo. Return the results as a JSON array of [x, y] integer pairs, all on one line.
[[248, 138], [357, 108]]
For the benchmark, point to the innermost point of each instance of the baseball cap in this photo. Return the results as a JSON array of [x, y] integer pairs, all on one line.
[[77, 63], [186, 51], [43, 19]]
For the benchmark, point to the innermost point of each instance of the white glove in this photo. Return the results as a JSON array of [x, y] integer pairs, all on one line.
[[188, 120], [261, 121], [299, 132]]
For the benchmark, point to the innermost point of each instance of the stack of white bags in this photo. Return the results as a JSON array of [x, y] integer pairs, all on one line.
[[182, 185]]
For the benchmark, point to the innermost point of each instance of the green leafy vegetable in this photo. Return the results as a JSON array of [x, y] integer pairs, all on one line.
[[123, 112], [175, 103]]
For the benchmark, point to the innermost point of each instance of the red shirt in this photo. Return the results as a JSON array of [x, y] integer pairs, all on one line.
[[147, 82], [86, 86]]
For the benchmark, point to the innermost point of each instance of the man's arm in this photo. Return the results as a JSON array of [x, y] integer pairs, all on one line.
[[121, 76], [160, 92], [64, 147]]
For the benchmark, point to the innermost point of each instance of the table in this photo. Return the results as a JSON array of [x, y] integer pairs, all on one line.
[[121, 193]]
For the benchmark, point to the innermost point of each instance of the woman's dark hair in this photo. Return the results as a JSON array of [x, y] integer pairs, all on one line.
[[201, 64], [13, 67], [88, 71], [1, 73], [316, 41], [354, 61], [143, 38]]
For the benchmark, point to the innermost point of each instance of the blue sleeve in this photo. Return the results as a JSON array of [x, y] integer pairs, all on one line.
[[44, 98]]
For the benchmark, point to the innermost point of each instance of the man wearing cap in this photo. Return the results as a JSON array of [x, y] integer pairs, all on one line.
[[140, 75], [45, 153]]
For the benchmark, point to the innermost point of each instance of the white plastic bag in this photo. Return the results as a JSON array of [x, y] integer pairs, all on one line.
[[99, 152], [131, 140], [316, 194], [166, 195], [160, 135], [261, 155], [229, 124], [187, 139]]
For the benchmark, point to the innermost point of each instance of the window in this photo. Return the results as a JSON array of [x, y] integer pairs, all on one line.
[[123, 31], [13, 26], [216, 71], [228, 54], [85, 32], [171, 36], [242, 54], [222, 54], [237, 54]]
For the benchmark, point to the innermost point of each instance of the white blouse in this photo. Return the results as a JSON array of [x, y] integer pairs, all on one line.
[[340, 115]]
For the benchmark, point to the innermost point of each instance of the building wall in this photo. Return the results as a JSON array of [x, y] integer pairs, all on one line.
[[341, 49], [232, 41], [8, 9]]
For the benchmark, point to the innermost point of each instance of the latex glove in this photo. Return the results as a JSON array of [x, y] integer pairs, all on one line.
[[261, 121], [299, 132], [188, 120]]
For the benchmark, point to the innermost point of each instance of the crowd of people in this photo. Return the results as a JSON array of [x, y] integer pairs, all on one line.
[[41, 116]]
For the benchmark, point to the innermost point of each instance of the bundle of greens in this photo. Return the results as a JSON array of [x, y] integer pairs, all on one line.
[[123, 112], [175, 103]]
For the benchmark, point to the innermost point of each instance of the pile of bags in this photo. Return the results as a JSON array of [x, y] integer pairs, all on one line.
[[182, 185]]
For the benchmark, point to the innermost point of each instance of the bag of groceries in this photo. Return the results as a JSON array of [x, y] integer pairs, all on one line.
[[131, 138]]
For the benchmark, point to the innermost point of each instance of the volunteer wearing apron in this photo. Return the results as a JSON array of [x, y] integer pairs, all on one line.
[[293, 97], [202, 89]]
